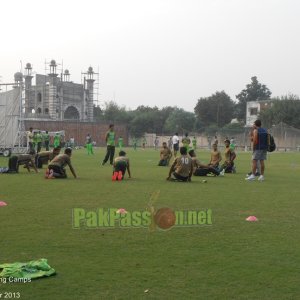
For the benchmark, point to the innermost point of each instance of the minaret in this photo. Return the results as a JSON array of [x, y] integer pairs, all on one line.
[[66, 76], [53, 105], [89, 101], [28, 85]]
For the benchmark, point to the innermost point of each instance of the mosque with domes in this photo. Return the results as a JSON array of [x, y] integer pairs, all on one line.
[[55, 97]]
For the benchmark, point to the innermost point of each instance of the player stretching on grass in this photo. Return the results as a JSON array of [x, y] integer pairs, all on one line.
[[182, 167], [121, 164], [56, 166], [200, 169]]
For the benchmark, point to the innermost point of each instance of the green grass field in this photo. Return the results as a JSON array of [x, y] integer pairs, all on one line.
[[231, 259]]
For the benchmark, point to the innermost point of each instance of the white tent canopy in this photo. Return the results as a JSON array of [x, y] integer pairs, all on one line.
[[9, 117]]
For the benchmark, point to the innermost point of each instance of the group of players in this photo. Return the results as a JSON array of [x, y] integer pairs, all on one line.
[[182, 168], [187, 164]]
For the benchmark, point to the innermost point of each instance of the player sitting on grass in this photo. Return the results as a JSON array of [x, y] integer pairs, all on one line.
[[165, 155], [182, 167], [56, 166], [215, 156], [228, 165], [200, 169], [44, 157], [121, 164]]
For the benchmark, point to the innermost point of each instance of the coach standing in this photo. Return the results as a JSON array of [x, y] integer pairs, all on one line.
[[259, 138], [110, 143]]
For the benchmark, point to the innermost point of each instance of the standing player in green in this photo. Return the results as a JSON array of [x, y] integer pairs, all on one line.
[[34, 140], [134, 141], [89, 144], [39, 139], [46, 139], [144, 142], [110, 143], [186, 142], [120, 143], [194, 143], [56, 142]]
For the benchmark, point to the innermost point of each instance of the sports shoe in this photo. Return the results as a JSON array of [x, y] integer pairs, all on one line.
[[50, 176], [120, 175], [47, 173], [222, 173], [261, 178], [250, 178], [114, 177]]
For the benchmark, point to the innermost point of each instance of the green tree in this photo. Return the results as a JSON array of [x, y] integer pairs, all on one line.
[[98, 113], [254, 91], [180, 120], [285, 110], [215, 110], [114, 113]]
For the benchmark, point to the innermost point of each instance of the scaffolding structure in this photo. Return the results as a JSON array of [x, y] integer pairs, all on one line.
[[90, 75], [12, 128]]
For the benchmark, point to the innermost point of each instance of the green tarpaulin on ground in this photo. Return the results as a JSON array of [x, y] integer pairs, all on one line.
[[33, 269]]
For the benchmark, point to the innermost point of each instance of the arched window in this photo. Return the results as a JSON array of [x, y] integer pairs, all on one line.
[[39, 110], [71, 113], [39, 97], [46, 111]]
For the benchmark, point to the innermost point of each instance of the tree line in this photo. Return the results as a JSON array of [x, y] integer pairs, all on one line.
[[211, 113]]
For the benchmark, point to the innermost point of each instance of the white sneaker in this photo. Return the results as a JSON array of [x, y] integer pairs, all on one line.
[[251, 177], [222, 173], [261, 178]]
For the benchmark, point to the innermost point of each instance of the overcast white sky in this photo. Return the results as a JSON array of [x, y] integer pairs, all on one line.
[[158, 52]]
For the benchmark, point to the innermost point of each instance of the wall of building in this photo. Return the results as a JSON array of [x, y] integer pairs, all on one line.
[[79, 130]]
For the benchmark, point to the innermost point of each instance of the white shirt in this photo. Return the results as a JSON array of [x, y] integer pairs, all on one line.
[[175, 139]]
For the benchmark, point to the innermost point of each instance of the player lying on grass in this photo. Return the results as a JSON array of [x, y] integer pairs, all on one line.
[[182, 167], [200, 169], [56, 168], [45, 156], [165, 155], [120, 165], [228, 165]]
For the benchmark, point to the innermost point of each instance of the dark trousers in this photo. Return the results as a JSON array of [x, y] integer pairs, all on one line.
[[31, 146], [205, 171], [110, 153], [58, 172], [163, 162], [120, 167], [47, 145], [179, 177], [39, 147]]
